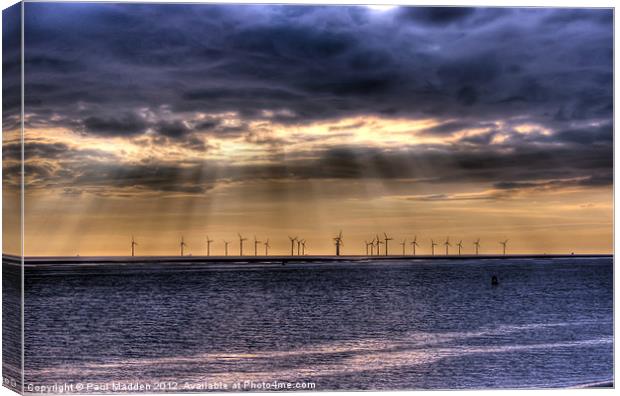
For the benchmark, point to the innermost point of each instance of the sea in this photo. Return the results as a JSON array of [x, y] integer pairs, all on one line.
[[410, 324]]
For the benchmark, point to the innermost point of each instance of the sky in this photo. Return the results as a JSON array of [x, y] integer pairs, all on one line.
[[168, 121]]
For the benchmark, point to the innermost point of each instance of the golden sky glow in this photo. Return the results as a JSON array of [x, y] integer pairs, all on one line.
[[538, 222], [92, 220]]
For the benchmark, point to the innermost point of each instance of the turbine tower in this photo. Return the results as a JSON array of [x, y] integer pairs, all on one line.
[[415, 243], [403, 244], [433, 244], [183, 245], [133, 246], [338, 242], [477, 245], [379, 243], [372, 247], [303, 247], [209, 245], [460, 245], [292, 245], [256, 243], [503, 243], [368, 244], [299, 246], [241, 240], [267, 246], [226, 248], [387, 239], [447, 243]]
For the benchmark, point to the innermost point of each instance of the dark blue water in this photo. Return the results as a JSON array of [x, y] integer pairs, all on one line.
[[377, 325]]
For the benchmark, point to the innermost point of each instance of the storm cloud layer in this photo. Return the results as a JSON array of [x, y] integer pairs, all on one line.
[[535, 83]]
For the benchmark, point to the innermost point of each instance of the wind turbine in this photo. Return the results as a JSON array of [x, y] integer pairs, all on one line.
[[226, 247], [447, 243], [372, 247], [379, 243], [299, 246], [209, 245], [387, 239], [433, 244], [133, 246], [503, 243], [477, 245], [267, 246], [292, 245], [256, 243], [303, 247], [403, 244], [241, 240], [338, 242], [414, 243], [460, 245], [183, 244], [368, 244]]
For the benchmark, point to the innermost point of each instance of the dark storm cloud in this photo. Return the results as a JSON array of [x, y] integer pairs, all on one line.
[[446, 165], [95, 66], [447, 128], [482, 139], [147, 177], [207, 125], [442, 17], [57, 165], [320, 62], [564, 16], [83, 170], [34, 149], [605, 178], [126, 125], [603, 134], [437, 15], [173, 129], [11, 67], [486, 196]]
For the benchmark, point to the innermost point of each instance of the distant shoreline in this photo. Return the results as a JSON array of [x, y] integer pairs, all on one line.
[[283, 259]]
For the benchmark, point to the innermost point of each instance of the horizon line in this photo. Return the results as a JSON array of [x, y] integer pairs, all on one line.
[[314, 256]]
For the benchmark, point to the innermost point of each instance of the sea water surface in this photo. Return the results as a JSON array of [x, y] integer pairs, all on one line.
[[409, 324]]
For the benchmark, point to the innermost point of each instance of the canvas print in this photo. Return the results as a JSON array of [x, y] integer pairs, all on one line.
[[262, 197]]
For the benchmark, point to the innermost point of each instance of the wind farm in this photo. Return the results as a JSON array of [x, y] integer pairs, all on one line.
[[370, 250]]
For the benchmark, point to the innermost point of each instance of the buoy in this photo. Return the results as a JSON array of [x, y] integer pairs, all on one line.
[[494, 280]]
